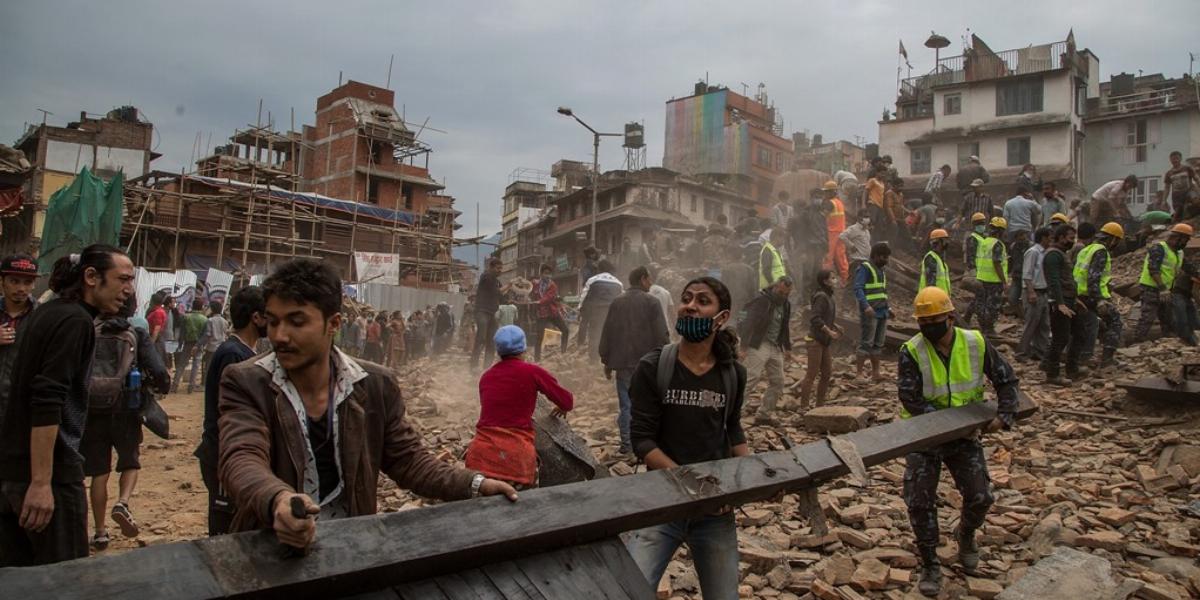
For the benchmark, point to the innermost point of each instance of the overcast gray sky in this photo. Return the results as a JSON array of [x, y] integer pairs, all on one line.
[[491, 74]]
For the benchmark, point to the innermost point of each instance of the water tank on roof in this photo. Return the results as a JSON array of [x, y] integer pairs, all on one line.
[[700, 88], [634, 135], [128, 114], [800, 140], [1121, 85], [817, 139]]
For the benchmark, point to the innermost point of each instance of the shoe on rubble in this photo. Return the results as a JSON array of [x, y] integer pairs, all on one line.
[[968, 550], [1057, 381], [931, 579]]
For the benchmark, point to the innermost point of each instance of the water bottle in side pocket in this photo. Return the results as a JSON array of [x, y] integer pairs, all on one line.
[[133, 389]]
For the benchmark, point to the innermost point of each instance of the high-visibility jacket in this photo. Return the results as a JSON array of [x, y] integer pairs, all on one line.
[[957, 384], [1167, 272], [1081, 270], [876, 287], [777, 268], [836, 219], [985, 270], [942, 277]]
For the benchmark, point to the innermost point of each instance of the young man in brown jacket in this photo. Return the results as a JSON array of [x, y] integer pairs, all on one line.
[[307, 421]]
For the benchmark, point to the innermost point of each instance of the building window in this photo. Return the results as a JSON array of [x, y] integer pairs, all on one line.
[[406, 191], [1145, 193], [1018, 97], [920, 160], [764, 157], [712, 208], [373, 191], [1136, 137], [1080, 97], [1018, 151], [693, 203], [965, 151], [953, 104]]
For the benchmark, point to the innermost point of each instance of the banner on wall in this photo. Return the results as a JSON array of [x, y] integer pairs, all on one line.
[[377, 267], [217, 284]]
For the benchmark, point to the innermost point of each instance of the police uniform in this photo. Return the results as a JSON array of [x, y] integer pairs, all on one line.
[[991, 292], [930, 381], [1167, 263]]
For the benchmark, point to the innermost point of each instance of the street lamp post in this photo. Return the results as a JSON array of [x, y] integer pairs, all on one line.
[[562, 110]]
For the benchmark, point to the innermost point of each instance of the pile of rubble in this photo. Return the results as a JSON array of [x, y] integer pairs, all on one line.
[[1092, 493]]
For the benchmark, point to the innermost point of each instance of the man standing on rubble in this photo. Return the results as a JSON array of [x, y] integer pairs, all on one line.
[[975, 237], [870, 290], [770, 261], [633, 327], [1035, 338], [835, 257], [487, 301], [991, 270], [1161, 266], [934, 271], [941, 367], [334, 423], [1093, 275], [766, 331], [594, 301]]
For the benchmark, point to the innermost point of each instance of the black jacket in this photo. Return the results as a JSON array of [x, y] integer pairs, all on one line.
[[634, 326], [753, 328]]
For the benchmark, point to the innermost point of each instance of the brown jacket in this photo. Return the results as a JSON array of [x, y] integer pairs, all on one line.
[[263, 449]]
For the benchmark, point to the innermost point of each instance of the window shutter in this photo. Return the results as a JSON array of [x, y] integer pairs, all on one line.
[[1153, 127]]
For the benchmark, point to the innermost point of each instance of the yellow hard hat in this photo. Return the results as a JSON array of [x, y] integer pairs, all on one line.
[[1061, 218], [1183, 228], [931, 302], [978, 217], [829, 186], [1114, 229], [999, 223], [938, 234]]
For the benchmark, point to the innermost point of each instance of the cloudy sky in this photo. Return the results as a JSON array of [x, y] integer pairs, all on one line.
[[490, 74]]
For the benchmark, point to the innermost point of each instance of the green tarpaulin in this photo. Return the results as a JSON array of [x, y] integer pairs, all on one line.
[[86, 212]]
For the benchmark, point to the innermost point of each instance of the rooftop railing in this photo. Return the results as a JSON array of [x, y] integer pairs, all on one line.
[[977, 66]]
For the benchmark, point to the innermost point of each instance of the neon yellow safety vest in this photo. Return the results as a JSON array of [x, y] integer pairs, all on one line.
[[960, 383], [942, 277], [1081, 270], [876, 287], [777, 268], [985, 271], [1170, 267]]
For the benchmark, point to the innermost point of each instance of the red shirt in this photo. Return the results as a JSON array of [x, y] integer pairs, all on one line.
[[508, 394], [157, 319], [374, 333]]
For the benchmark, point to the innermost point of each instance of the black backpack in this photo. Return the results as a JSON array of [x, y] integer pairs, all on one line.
[[115, 354]]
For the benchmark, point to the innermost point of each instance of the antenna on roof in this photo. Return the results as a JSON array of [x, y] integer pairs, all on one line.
[[388, 85], [339, 79]]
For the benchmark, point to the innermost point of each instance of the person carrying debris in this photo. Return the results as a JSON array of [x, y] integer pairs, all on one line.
[[1068, 317], [870, 289], [43, 506], [823, 330], [687, 406], [1093, 275], [334, 423], [114, 419], [934, 271], [633, 327], [549, 311], [991, 271], [766, 331], [1162, 265], [942, 367], [503, 446]]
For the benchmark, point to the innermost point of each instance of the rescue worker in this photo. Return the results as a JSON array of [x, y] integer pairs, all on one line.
[[970, 249], [1068, 319], [1159, 269], [770, 261], [1059, 219], [1093, 274], [934, 271], [835, 259], [941, 367], [991, 270], [870, 290]]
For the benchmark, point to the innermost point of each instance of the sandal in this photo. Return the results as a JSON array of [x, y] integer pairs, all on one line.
[[121, 514], [100, 541]]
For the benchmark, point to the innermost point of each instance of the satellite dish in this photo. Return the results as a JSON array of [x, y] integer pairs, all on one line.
[[936, 41]]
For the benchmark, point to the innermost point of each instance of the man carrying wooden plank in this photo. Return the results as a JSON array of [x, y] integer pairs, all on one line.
[[334, 423], [943, 367]]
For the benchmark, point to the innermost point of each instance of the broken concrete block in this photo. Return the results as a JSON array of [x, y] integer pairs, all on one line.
[[1067, 574], [838, 570], [983, 588], [871, 574], [895, 557], [1116, 516], [853, 537], [855, 514], [754, 517], [759, 560], [824, 591], [1108, 540], [814, 541], [1161, 591], [837, 419]]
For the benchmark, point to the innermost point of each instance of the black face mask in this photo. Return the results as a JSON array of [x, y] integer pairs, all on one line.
[[935, 331]]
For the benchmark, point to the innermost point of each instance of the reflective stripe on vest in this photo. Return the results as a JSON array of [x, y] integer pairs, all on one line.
[[835, 221], [1168, 270], [777, 268], [1081, 270], [958, 385], [985, 271], [876, 287], [943, 274]]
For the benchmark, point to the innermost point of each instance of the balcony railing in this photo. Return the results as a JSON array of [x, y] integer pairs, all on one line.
[[976, 66], [1138, 102]]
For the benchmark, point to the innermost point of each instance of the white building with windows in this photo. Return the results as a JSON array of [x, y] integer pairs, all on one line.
[[1133, 127], [1009, 108]]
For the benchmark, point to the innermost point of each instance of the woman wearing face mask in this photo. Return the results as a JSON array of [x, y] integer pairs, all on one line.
[[687, 409], [822, 332]]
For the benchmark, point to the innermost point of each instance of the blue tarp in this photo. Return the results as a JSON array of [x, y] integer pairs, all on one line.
[[347, 206]]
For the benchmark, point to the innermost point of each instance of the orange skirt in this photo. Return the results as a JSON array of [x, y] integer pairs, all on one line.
[[505, 454]]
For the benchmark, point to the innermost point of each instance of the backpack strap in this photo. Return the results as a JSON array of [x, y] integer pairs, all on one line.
[[666, 367]]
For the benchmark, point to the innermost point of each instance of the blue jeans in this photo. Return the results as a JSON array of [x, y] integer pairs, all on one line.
[[873, 330], [712, 541], [625, 406]]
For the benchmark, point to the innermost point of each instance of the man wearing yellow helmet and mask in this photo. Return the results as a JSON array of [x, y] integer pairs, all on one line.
[[944, 367], [1093, 275], [1163, 263], [991, 269]]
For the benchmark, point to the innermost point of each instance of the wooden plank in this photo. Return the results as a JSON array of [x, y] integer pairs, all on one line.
[[457, 587], [384, 594], [561, 575], [1158, 388], [368, 553], [511, 581], [620, 564], [421, 590]]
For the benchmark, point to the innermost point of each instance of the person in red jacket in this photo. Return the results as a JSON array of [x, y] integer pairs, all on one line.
[[549, 311], [503, 447]]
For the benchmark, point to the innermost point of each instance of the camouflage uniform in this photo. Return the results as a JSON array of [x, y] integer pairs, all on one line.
[[987, 305], [1155, 304], [963, 458]]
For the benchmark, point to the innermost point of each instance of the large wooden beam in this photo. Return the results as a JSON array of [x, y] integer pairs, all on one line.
[[370, 553]]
